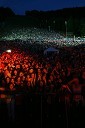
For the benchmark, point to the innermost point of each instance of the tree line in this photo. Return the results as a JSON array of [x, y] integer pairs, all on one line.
[[58, 20]]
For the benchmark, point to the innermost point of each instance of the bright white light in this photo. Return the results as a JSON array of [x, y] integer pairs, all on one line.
[[9, 51]]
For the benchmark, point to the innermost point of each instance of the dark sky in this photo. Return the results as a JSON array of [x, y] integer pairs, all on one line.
[[20, 6]]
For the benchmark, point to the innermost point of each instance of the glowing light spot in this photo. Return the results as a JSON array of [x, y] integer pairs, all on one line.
[[9, 51]]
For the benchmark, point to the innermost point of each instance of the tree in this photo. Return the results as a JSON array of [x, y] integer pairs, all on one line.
[[5, 13], [82, 27]]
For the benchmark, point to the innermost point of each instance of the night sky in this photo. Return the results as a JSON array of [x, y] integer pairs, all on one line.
[[20, 6]]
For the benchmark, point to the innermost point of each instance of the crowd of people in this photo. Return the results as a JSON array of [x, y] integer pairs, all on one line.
[[39, 35], [62, 73], [25, 71]]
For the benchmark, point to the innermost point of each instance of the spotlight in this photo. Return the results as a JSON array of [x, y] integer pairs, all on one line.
[[9, 51]]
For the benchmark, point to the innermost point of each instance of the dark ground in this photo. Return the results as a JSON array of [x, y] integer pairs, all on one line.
[[41, 112]]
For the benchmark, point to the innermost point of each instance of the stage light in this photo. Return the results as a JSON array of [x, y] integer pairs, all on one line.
[[9, 51]]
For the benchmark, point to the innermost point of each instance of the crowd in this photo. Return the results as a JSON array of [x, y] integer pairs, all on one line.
[[39, 35], [20, 70], [35, 34]]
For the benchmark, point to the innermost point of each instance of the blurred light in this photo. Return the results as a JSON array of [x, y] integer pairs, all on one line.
[[9, 51]]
